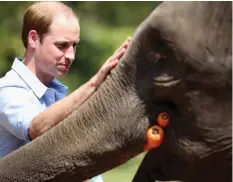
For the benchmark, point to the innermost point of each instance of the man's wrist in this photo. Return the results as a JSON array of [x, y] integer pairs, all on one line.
[[83, 93]]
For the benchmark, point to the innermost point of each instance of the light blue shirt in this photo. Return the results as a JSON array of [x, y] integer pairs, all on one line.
[[22, 97]]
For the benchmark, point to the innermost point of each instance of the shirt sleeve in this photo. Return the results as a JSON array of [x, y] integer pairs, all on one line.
[[17, 110]]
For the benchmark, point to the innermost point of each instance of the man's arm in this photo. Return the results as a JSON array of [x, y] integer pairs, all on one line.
[[61, 109]]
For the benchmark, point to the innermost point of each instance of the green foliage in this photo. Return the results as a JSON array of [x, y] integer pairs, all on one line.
[[104, 26], [11, 14], [125, 172]]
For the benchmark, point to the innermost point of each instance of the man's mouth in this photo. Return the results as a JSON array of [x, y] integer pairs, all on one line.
[[63, 67]]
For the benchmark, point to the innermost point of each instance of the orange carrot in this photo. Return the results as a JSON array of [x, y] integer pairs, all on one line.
[[155, 135], [163, 119]]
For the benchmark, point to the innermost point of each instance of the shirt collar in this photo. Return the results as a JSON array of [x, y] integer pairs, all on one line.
[[58, 86], [33, 82]]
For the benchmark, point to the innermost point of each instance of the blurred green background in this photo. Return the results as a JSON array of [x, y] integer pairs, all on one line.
[[104, 26]]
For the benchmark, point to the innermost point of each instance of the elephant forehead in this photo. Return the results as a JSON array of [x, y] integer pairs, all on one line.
[[199, 31]]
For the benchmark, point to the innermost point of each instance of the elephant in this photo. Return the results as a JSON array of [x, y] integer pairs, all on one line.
[[178, 62]]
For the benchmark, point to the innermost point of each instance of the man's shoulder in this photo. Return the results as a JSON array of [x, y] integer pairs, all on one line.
[[12, 86], [12, 79]]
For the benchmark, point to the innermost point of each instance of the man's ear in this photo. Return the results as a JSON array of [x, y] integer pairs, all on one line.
[[33, 39]]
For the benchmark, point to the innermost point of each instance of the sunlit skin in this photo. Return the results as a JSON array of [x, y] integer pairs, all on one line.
[[54, 55]]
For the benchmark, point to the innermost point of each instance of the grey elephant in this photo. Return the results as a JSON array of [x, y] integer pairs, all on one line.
[[179, 62]]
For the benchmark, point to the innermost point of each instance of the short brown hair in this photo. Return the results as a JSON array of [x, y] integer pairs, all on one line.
[[39, 17]]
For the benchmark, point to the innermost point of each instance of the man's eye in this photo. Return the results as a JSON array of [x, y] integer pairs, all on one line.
[[61, 46]]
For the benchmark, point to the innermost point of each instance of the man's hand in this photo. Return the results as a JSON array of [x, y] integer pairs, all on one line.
[[100, 76]]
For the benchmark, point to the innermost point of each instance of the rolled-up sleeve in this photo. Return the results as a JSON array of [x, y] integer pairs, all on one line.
[[17, 110]]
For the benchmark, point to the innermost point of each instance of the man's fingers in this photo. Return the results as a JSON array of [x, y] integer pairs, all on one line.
[[117, 55], [114, 63], [107, 67]]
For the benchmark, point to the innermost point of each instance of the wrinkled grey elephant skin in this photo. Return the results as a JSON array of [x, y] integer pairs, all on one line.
[[196, 37], [179, 61]]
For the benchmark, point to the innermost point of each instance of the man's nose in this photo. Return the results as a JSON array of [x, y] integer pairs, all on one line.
[[70, 53]]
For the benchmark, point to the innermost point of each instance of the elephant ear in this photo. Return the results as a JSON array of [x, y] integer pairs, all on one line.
[[200, 34]]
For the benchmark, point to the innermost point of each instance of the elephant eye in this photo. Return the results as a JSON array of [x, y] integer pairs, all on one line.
[[155, 56]]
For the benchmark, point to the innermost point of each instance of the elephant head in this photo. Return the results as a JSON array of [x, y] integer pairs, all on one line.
[[179, 62], [196, 79]]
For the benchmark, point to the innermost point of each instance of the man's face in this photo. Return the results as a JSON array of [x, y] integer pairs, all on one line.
[[56, 53]]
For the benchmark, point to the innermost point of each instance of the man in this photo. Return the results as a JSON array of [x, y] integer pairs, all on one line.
[[32, 100]]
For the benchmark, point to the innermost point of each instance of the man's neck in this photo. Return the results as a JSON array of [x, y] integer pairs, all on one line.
[[29, 62]]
